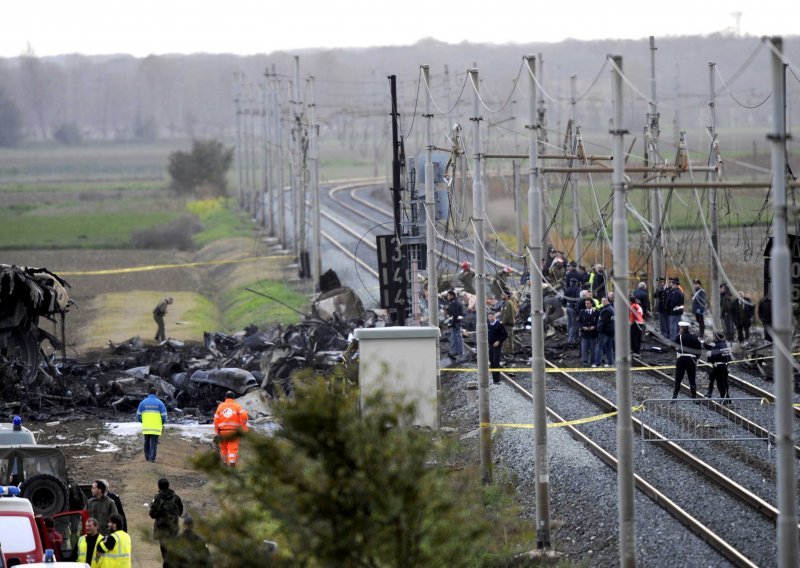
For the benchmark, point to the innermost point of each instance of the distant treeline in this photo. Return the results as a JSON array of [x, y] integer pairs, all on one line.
[[122, 98]]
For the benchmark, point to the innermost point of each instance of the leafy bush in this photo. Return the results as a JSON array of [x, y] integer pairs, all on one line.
[[68, 134], [202, 171], [176, 234], [341, 484]]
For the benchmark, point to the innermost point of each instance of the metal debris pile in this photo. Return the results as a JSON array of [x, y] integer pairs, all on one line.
[[191, 377]]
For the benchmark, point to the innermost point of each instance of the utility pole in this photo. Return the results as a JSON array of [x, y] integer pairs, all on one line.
[[278, 140], [481, 331], [266, 193], [249, 147], [655, 195], [374, 122], [298, 174], [542, 140], [780, 273], [316, 266], [536, 229], [237, 98], [625, 481], [576, 196], [716, 321], [397, 183], [430, 207], [516, 181], [255, 115], [515, 174]]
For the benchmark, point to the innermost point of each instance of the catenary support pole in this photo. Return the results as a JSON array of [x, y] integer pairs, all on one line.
[[782, 323], [625, 482], [574, 180], [266, 192], [542, 141], [430, 204], [713, 293], [237, 99], [515, 171], [657, 242], [313, 150], [255, 113], [246, 146], [277, 125], [481, 331], [535, 244], [299, 170]]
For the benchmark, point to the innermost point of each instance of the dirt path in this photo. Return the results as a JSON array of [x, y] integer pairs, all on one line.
[[87, 444]]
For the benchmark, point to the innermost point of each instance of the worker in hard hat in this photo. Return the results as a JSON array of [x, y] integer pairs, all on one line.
[[467, 278], [230, 420]]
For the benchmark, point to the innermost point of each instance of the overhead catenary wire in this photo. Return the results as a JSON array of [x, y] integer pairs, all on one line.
[[732, 96], [508, 99]]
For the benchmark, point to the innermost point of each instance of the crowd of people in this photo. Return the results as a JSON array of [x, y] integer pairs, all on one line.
[[588, 301], [107, 543]]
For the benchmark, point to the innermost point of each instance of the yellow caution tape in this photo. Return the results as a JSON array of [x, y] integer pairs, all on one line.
[[565, 423], [165, 266], [595, 369]]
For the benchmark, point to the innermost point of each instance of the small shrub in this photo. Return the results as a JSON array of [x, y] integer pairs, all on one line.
[[176, 234], [69, 134], [202, 171]]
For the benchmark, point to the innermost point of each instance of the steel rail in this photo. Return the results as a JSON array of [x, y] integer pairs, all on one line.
[[662, 500], [721, 409]]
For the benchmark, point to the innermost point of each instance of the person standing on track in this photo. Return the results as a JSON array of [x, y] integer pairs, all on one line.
[[497, 334], [455, 313], [230, 420], [719, 358], [699, 302], [158, 315], [636, 320], [689, 349]]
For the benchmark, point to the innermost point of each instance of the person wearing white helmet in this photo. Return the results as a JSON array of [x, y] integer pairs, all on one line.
[[689, 349]]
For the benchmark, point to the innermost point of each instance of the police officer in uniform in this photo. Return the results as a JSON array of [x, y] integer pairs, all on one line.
[[689, 349], [719, 358]]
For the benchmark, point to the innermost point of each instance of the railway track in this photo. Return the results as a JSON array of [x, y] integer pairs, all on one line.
[[705, 526]]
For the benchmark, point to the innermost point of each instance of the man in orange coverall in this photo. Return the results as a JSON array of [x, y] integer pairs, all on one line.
[[229, 419]]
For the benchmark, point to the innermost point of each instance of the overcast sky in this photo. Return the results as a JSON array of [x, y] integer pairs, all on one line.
[[143, 27]]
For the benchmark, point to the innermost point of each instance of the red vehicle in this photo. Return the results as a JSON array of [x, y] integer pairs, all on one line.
[[23, 536]]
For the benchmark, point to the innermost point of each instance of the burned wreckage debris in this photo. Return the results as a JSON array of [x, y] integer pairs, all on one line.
[[191, 377], [28, 295], [198, 376]]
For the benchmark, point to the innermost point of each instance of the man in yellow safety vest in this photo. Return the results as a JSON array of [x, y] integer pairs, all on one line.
[[115, 549], [152, 414]]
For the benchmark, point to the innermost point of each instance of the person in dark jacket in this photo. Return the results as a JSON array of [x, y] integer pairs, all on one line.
[[118, 502], [587, 322], [765, 315], [455, 312], [743, 311], [158, 315], [689, 349], [572, 304], [699, 303], [660, 300], [497, 334], [189, 548], [726, 302], [719, 357], [675, 301], [166, 509], [605, 333], [597, 281]]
